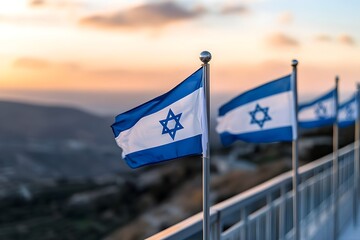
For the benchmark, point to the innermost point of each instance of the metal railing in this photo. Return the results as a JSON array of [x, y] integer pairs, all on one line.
[[265, 211]]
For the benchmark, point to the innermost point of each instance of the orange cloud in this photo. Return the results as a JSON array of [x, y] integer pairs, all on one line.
[[281, 40], [346, 39], [42, 74], [36, 3], [33, 63], [38, 64], [61, 4], [144, 16]]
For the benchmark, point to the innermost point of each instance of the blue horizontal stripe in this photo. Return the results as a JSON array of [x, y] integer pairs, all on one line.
[[187, 147], [274, 87], [331, 94], [128, 119], [317, 123], [282, 134], [344, 124]]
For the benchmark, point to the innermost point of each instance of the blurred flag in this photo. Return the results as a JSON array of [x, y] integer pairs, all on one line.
[[348, 112], [319, 112], [263, 114], [167, 127]]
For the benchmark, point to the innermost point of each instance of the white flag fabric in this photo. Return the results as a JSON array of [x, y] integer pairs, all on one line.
[[319, 112], [167, 127], [263, 114], [348, 112]]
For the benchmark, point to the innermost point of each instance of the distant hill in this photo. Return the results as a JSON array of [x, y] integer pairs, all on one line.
[[50, 142], [27, 122]]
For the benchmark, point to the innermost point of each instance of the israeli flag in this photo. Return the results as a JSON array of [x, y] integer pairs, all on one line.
[[348, 112], [319, 112], [264, 114], [168, 127]]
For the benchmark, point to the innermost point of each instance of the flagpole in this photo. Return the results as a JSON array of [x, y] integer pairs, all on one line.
[[295, 161], [205, 57], [357, 154], [336, 159]]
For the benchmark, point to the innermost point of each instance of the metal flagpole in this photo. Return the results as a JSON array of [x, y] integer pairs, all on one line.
[[357, 154], [295, 161], [205, 57], [336, 159]]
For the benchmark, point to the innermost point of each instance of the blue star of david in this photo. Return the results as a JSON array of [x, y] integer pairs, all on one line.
[[320, 110], [171, 117], [349, 112], [255, 116]]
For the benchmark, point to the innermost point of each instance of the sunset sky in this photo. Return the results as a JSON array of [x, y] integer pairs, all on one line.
[[97, 54]]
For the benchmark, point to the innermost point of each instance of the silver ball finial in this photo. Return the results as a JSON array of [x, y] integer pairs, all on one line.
[[205, 56], [337, 78], [294, 62]]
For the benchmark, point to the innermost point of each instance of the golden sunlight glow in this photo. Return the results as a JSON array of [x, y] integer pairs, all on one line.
[[48, 47]]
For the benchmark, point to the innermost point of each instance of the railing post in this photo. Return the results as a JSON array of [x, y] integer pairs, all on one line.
[[302, 209], [269, 216], [218, 227], [282, 213], [312, 195], [305, 206], [317, 192], [245, 218]]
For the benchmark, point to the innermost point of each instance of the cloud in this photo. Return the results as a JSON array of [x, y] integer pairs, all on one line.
[[346, 39], [36, 3], [57, 4], [143, 16], [343, 39], [41, 64], [281, 40], [323, 38], [33, 63], [285, 18], [234, 9]]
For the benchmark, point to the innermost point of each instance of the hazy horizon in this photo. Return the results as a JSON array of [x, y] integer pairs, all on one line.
[[112, 103]]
